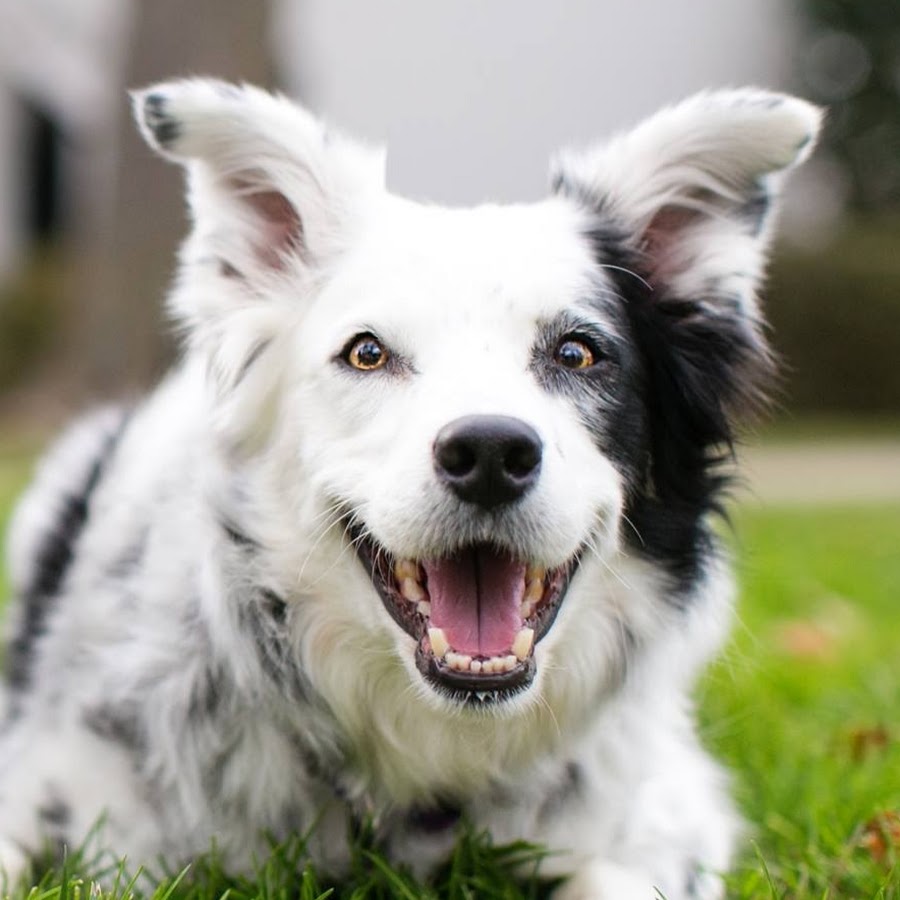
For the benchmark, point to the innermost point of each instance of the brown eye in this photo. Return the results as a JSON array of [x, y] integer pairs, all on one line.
[[367, 353], [574, 354]]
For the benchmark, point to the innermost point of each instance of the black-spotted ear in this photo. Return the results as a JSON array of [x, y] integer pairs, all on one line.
[[267, 186]]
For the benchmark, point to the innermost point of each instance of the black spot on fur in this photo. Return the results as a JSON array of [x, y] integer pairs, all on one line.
[[55, 814], [208, 694], [54, 558], [227, 270], [434, 819], [118, 725], [130, 558], [165, 129], [265, 618], [274, 606], [236, 536], [570, 786]]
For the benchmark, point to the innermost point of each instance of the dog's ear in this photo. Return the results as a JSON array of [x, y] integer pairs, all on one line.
[[274, 198], [693, 187], [681, 211], [269, 187]]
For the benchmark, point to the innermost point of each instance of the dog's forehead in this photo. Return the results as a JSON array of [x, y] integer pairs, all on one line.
[[527, 259]]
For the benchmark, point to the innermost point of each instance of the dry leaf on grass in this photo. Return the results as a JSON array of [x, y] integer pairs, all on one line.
[[865, 741], [881, 836]]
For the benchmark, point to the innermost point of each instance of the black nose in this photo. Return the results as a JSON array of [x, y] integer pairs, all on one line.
[[488, 460]]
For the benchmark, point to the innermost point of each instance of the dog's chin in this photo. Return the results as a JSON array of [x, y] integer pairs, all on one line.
[[476, 614]]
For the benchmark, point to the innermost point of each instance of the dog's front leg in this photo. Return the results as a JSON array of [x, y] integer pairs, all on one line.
[[605, 880]]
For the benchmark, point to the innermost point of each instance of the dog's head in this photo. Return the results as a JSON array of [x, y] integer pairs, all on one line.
[[482, 403]]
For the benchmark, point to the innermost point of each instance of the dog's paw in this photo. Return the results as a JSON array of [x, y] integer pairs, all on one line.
[[602, 880], [13, 864]]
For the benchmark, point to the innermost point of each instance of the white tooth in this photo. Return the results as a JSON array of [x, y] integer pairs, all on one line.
[[535, 573], [412, 590], [475, 666], [526, 609], [535, 590], [487, 667], [464, 662], [406, 568], [452, 659], [439, 643], [510, 663], [522, 644], [424, 608]]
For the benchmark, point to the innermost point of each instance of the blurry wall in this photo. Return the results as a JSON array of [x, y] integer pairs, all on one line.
[[472, 97]]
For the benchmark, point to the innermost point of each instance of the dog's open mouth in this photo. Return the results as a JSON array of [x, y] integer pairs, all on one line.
[[476, 615]]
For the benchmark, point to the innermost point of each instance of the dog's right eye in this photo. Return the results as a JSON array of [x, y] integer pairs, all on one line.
[[366, 353]]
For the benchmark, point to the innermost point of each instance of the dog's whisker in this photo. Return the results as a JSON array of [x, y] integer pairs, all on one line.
[[628, 271], [634, 528], [318, 540]]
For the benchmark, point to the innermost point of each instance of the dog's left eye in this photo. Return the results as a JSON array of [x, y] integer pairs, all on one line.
[[574, 353], [366, 353]]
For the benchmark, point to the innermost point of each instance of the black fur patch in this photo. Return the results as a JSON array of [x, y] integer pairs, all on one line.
[[606, 395], [55, 814], [165, 129], [129, 560], [434, 819], [208, 694], [699, 362], [236, 536], [265, 618], [570, 786], [118, 725], [54, 558]]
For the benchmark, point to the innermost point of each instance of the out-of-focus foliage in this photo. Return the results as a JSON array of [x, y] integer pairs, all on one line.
[[850, 62], [835, 314]]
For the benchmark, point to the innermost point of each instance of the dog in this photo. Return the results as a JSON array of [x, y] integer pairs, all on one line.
[[418, 530]]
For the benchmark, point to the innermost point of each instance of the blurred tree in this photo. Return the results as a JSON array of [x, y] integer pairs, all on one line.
[[124, 256], [851, 63]]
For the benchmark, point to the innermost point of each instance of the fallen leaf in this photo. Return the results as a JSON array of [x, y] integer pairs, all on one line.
[[865, 741], [805, 640], [881, 836]]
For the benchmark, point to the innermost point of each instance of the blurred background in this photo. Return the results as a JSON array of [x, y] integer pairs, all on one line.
[[471, 98]]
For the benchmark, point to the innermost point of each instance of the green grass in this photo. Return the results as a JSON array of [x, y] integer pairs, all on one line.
[[804, 708]]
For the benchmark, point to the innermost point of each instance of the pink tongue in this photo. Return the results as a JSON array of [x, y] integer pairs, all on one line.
[[475, 597]]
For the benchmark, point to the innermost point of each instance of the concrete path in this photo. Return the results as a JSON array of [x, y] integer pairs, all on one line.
[[824, 471]]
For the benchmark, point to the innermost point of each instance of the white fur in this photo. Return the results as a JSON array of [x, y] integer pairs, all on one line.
[[261, 427]]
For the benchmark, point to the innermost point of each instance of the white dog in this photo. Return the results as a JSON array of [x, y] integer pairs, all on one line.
[[418, 530]]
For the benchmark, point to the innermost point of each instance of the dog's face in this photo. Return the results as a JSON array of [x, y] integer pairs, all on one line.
[[467, 378], [478, 399]]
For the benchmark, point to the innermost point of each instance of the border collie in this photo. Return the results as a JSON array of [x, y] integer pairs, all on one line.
[[418, 529]]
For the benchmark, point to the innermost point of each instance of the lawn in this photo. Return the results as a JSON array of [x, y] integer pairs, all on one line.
[[804, 707]]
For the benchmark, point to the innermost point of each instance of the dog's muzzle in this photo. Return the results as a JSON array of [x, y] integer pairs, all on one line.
[[478, 611]]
